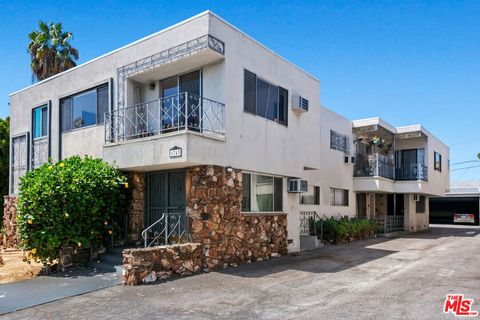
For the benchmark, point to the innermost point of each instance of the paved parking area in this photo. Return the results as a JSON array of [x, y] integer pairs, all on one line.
[[397, 278]]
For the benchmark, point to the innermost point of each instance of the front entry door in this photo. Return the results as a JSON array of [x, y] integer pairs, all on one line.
[[166, 194]]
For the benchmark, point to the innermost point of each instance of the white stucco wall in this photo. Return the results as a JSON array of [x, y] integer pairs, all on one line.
[[415, 221]]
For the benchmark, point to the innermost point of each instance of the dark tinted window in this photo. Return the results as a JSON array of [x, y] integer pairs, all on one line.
[[66, 111], [249, 91], [102, 103], [263, 91], [246, 192], [278, 195], [438, 161], [282, 105]]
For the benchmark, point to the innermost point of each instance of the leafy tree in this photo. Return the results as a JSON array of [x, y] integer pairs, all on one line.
[[4, 157], [50, 51], [71, 202]]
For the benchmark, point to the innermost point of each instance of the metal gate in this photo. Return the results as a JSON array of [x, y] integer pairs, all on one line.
[[166, 218], [19, 165]]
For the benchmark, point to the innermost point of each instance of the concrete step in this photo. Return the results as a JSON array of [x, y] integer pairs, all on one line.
[[308, 242], [110, 261]]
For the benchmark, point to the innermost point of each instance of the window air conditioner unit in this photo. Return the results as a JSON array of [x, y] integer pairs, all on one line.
[[349, 160], [416, 197], [299, 104], [297, 185]]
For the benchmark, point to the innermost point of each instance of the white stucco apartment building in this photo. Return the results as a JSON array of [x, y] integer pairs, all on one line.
[[202, 92]]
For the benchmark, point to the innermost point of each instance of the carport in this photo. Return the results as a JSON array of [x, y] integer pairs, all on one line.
[[458, 200]]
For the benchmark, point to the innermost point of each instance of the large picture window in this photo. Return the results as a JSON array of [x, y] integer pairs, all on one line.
[[338, 197], [438, 161], [262, 193], [84, 109], [265, 99]]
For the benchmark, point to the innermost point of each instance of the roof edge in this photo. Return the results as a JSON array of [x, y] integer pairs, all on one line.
[[262, 45], [114, 51], [206, 12]]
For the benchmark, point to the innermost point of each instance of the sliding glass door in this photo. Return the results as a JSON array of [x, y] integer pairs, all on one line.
[[181, 101], [408, 164]]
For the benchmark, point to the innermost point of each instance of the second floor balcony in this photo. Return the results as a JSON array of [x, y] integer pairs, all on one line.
[[177, 113], [377, 165], [374, 165]]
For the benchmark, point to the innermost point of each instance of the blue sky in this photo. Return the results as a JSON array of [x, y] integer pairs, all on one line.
[[405, 61]]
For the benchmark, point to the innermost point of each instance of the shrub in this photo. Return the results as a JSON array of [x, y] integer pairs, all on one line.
[[71, 202], [342, 229]]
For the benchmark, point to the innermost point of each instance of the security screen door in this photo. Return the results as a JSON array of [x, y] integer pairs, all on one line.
[[165, 194]]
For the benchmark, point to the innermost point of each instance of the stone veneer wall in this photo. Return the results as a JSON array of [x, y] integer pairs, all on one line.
[[214, 197], [150, 264], [9, 238], [221, 235], [137, 207]]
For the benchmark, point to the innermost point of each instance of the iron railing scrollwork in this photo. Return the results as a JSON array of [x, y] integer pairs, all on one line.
[[39, 151], [309, 224], [164, 57], [183, 111], [171, 228], [339, 141]]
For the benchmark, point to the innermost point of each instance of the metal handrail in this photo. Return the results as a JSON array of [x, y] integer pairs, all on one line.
[[145, 232], [166, 232], [305, 218]]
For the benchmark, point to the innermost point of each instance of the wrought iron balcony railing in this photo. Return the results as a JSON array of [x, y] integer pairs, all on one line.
[[415, 171], [180, 112], [374, 165]]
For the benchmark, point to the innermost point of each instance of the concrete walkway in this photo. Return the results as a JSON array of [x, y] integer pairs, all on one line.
[[28, 293]]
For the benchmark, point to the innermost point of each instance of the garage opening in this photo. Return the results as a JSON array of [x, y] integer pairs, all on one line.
[[454, 210]]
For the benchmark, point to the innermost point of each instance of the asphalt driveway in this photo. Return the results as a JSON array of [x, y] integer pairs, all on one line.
[[397, 278]]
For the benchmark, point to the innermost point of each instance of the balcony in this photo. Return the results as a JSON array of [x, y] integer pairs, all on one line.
[[414, 171], [374, 165], [177, 113]]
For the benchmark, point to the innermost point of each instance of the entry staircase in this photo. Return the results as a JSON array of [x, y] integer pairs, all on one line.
[[171, 228], [311, 231]]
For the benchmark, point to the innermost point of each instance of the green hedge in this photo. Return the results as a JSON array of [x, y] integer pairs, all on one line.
[[71, 202], [344, 229]]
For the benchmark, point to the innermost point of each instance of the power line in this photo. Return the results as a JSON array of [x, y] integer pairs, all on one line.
[[465, 168], [462, 162]]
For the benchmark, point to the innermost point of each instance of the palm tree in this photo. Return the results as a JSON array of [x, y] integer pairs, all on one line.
[[50, 51]]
